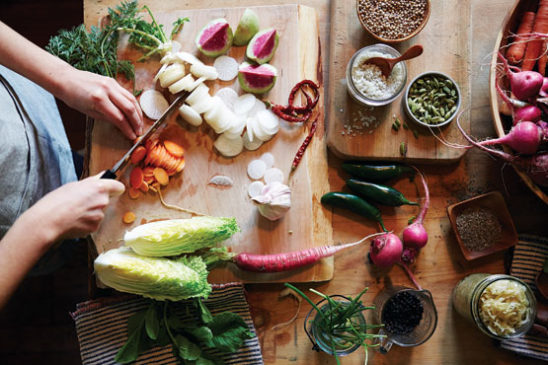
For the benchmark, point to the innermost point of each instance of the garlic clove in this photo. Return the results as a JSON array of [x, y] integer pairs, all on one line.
[[274, 200]]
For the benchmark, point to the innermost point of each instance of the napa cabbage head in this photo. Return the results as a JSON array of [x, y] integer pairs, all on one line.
[[153, 277], [179, 236]]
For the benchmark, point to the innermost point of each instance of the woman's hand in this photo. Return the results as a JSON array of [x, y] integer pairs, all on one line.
[[101, 97], [75, 209]]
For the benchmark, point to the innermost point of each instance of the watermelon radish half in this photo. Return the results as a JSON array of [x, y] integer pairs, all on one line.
[[215, 38], [262, 46], [257, 79]]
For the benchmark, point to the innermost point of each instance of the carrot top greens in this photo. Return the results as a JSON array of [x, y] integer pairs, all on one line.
[[95, 51]]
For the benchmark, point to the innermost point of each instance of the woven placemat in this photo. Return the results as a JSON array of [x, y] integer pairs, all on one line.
[[101, 327]]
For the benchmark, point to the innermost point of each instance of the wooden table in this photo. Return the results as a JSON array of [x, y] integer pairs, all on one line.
[[440, 265]]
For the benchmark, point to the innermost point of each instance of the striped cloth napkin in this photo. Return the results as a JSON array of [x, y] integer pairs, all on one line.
[[101, 327], [529, 255]]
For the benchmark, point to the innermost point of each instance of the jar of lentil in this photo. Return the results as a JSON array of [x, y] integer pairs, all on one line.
[[501, 306], [365, 82]]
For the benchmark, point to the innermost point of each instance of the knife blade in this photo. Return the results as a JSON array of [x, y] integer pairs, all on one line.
[[111, 173]]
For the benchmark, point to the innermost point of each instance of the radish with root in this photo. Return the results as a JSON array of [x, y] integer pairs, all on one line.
[[535, 166], [386, 250], [290, 260], [414, 235], [523, 84], [531, 113], [524, 137]]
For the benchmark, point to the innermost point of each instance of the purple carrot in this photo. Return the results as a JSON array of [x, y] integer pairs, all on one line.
[[290, 260]]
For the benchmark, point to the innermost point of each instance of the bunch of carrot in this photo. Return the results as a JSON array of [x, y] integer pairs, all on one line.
[[154, 164], [529, 48]]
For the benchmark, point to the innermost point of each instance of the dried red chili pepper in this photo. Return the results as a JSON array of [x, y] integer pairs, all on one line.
[[304, 145], [296, 114]]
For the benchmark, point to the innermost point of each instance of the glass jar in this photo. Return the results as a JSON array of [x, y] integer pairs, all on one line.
[[322, 339], [398, 76], [466, 300]]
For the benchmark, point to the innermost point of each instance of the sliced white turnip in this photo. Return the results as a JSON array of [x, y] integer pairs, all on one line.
[[268, 121], [244, 104], [256, 169], [258, 131], [273, 174], [218, 116], [237, 125], [229, 147], [201, 70], [228, 95], [259, 105], [221, 180], [268, 159], [171, 74], [196, 83], [183, 84], [251, 145], [255, 188], [201, 92], [169, 58], [160, 71], [175, 46], [227, 67], [190, 115], [250, 126], [204, 105], [153, 103], [187, 58]]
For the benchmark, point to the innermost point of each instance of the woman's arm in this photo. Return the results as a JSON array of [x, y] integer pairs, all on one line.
[[73, 210], [98, 96]]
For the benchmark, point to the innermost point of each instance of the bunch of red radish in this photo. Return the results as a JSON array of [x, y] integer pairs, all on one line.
[[388, 249], [528, 137]]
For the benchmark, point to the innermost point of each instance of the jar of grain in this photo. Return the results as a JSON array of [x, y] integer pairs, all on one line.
[[365, 82]]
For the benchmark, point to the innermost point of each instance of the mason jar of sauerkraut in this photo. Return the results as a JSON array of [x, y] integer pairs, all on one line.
[[501, 306]]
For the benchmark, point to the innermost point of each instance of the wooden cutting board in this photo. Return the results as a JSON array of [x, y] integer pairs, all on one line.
[[307, 224], [446, 48]]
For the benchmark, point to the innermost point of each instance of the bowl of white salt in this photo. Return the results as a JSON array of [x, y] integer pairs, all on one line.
[[366, 83]]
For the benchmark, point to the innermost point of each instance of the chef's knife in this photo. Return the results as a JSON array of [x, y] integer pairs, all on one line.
[[111, 174]]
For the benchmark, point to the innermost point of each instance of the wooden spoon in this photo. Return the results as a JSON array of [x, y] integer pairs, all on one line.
[[387, 64]]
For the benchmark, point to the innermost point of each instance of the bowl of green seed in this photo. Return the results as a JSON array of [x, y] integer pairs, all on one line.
[[432, 99]]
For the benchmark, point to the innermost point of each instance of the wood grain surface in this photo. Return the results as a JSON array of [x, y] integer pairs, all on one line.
[[297, 58], [356, 131], [441, 265]]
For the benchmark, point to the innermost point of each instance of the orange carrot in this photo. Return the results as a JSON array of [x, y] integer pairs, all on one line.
[[516, 51], [161, 176], [136, 177], [181, 165], [543, 59], [144, 187], [133, 193], [129, 217], [534, 47], [175, 149], [137, 155]]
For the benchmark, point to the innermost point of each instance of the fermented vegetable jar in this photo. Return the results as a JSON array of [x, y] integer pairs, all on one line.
[[501, 306]]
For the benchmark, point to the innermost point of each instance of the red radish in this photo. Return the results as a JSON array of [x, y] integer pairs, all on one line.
[[543, 127], [290, 260], [529, 113], [536, 166], [414, 235], [523, 84], [544, 88], [524, 137], [386, 250]]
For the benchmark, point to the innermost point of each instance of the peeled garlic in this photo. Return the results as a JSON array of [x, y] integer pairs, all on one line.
[[274, 201]]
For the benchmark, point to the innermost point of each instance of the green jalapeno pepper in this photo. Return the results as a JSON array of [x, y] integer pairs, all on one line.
[[377, 193], [355, 204], [376, 172]]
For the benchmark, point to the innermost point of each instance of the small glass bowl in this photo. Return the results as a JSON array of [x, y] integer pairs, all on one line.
[[415, 118], [360, 97]]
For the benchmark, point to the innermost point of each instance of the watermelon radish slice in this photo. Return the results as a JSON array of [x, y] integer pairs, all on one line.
[[215, 38], [257, 79], [262, 46]]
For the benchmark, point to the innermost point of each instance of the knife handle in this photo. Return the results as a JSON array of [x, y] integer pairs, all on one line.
[[108, 175]]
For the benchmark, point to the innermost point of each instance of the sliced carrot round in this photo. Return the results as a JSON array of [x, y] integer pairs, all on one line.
[[129, 217], [144, 187], [173, 148], [181, 165], [161, 176], [133, 193], [138, 155], [136, 177]]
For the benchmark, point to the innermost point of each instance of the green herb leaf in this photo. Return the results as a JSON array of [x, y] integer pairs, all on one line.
[[204, 361], [205, 314], [202, 334], [187, 350], [130, 351], [229, 332], [177, 26], [152, 323]]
